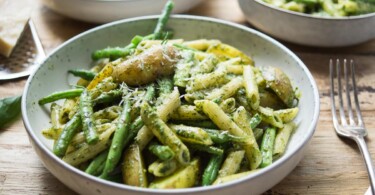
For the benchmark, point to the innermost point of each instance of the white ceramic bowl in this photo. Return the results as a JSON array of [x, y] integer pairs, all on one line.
[[52, 76], [307, 29], [102, 11]]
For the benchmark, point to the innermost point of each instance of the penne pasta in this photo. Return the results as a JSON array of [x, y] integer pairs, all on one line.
[[181, 100], [218, 116], [251, 87], [226, 91]]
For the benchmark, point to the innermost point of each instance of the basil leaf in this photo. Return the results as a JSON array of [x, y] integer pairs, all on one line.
[[10, 108]]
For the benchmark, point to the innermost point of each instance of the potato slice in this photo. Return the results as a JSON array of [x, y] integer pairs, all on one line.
[[279, 82], [159, 60]]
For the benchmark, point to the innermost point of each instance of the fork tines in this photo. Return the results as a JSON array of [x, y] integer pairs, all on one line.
[[349, 87]]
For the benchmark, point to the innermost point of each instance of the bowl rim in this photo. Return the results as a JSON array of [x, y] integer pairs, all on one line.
[[345, 18], [118, 1], [56, 160]]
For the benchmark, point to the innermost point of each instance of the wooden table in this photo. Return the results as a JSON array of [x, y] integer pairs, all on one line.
[[331, 165]]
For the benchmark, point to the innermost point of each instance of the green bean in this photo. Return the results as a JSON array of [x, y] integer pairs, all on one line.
[[365, 6], [113, 52], [108, 97], [170, 103], [137, 39], [212, 169], [258, 133], [255, 120], [97, 164], [224, 136], [85, 74], [117, 178], [165, 86], [122, 131], [266, 146], [163, 19], [100, 169], [71, 93], [161, 151], [118, 52], [67, 134], [86, 113], [208, 149], [134, 128], [137, 124], [150, 92]]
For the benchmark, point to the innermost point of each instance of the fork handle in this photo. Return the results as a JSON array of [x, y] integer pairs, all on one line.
[[366, 155]]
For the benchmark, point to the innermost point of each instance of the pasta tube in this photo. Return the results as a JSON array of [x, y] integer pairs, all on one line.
[[287, 115], [87, 151], [133, 171], [231, 163], [144, 135], [185, 177], [282, 138], [163, 168], [164, 134], [218, 116], [251, 87], [226, 91], [187, 112], [193, 135]]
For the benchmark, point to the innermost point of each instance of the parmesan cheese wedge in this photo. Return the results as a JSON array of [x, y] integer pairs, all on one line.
[[14, 15]]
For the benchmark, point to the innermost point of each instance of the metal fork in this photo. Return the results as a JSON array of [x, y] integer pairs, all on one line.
[[353, 128]]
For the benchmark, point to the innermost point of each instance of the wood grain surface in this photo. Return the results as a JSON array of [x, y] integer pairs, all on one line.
[[332, 165]]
